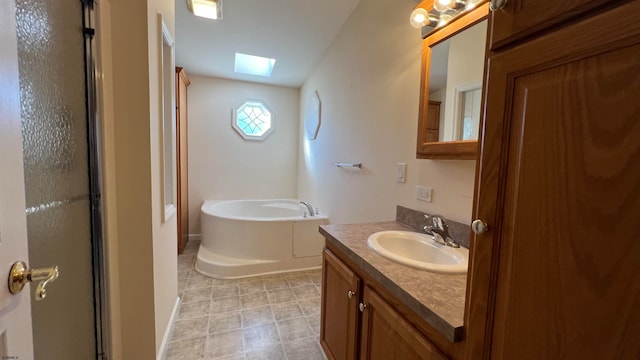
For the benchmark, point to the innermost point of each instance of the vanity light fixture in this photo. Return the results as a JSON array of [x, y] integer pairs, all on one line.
[[444, 19], [420, 15], [443, 5], [211, 9], [431, 14], [466, 5]]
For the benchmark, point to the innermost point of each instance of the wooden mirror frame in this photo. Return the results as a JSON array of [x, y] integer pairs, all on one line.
[[446, 150]]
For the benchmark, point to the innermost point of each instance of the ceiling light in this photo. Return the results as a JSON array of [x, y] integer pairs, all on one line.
[[254, 65], [211, 9]]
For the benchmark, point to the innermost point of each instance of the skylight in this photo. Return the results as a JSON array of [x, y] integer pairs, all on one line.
[[211, 9], [254, 65]]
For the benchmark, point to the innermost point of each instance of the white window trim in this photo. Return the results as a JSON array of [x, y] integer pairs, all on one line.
[[234, 120]]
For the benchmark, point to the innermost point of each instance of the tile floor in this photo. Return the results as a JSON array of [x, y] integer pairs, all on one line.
[[274, 317]]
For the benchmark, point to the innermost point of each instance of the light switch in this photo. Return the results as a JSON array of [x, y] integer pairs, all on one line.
[[402, 172]]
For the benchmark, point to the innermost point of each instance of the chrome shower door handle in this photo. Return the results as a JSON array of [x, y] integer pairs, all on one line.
[[19, 276]]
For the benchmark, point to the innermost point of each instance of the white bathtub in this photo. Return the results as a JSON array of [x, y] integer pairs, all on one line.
[[243, 238]]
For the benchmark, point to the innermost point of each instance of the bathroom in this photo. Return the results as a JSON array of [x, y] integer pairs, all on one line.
[[354, 128], [369, 105], [539, 282], [369, 109], [368, 82]]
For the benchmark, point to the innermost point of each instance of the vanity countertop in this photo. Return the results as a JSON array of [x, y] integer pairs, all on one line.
[[437, 298]]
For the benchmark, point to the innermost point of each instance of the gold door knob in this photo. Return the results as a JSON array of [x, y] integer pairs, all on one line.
[[19, 276]]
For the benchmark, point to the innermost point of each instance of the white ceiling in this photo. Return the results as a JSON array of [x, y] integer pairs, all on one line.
[[294, 32]]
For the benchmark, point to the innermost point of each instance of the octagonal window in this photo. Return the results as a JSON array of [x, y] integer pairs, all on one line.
[[253, 120]]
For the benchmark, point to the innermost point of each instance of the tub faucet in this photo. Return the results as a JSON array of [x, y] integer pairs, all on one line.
[[309, 208], [439, 230]]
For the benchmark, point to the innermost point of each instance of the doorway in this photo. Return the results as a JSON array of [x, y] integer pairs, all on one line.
[[61, 188]]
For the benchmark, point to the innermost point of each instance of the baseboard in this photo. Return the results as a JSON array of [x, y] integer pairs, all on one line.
[[168, 330], [195, 237]]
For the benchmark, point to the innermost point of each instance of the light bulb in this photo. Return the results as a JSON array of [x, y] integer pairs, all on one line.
[[442, 5], [444, 19], [473, 3], [419, 18]]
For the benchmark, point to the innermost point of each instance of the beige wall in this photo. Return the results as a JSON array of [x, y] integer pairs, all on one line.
[[132, 178], [165, 256], [222, 165], [368, 82], [142, 264]]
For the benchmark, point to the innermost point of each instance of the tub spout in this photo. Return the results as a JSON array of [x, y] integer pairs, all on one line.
[[309, 208]]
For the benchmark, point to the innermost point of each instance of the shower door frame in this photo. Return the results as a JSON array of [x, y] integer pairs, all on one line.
[[101, 313]]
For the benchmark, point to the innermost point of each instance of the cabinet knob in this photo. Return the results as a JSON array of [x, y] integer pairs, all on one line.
[[497, 5], [479, 227], [350, 294], [362, 307]]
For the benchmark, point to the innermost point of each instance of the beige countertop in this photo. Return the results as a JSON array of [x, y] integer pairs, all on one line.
[[437, 298]]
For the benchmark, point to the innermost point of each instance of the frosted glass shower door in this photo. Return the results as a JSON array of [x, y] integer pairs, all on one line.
[[56, 167]]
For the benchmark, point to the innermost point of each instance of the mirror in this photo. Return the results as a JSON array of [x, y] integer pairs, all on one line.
[[167, 120], [455, 79], [450, 94]]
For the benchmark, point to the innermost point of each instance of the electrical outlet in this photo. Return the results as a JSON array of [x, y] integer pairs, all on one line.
[[423, 193], [402, 171]]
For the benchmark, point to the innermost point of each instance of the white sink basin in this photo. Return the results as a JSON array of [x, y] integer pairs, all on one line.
[[420, 251]]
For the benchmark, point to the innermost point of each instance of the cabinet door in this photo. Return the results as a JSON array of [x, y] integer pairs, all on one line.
[[340, 293], [433, 121], [557, 274], [520, 18], [386, 335]]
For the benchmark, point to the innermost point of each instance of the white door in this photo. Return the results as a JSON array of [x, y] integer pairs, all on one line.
[[16, 340]]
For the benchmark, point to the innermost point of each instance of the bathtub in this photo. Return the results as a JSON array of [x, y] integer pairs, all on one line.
[[242, 238]]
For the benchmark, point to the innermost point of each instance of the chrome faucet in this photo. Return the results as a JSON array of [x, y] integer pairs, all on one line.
[[309, 208], [439, 230]]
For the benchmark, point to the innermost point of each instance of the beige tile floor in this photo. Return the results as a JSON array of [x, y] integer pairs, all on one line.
[[275, 317]]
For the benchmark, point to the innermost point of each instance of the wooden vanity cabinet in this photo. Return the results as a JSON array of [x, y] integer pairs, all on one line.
[[556, 276], [521, 18], [340, 292], [387, 335], [358, 323]]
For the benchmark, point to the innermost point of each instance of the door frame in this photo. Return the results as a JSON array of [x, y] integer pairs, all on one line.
[[100, 298]]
